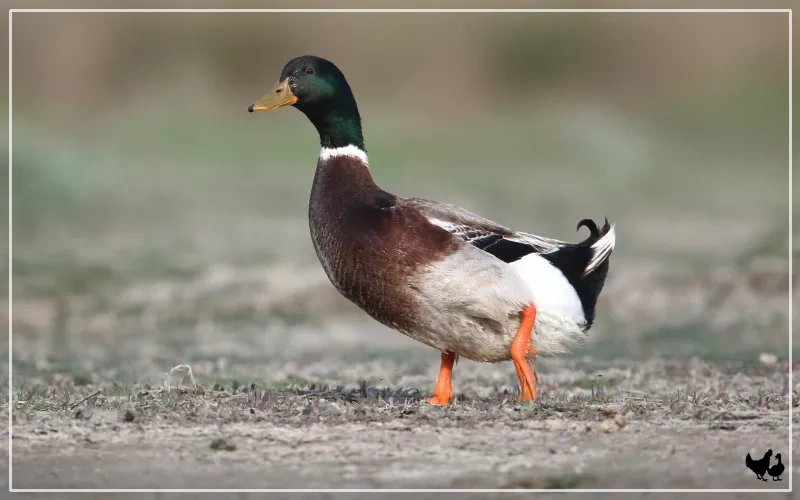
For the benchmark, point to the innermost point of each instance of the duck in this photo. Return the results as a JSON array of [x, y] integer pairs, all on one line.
[[453, 280], [776, 470]]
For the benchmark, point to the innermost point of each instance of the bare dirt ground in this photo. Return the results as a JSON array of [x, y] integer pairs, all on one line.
[[295, 388], [654, 424]]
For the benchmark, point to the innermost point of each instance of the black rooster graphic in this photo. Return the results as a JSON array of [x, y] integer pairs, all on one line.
[[759, 466], [776, 470]]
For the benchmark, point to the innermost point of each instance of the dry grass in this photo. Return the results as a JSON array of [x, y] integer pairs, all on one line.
[[701, 405]]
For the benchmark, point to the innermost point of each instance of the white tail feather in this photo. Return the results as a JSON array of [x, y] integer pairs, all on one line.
[[601, 249]]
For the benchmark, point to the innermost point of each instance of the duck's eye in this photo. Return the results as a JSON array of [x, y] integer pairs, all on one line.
[[310, 71]]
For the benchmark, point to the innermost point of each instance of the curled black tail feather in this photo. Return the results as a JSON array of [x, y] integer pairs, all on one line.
[[591, 226], [595, 233]]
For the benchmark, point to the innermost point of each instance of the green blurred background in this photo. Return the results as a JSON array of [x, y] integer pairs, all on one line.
[[156, 221]]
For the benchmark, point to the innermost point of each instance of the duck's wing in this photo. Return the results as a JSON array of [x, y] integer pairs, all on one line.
[[504, 243], [583, 266]]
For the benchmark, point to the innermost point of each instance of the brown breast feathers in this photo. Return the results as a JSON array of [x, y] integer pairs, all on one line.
[[369, 242]]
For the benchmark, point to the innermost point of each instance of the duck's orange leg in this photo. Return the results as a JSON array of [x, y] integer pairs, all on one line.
[[444, 384], [520, 348], [532, 352]]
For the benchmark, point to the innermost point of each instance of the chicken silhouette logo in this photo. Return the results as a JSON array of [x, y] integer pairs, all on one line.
[[761, 467]]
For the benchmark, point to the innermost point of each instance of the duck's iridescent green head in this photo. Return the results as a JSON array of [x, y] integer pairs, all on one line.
[[316, 87]]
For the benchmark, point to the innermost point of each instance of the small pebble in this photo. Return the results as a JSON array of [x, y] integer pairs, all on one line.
[[768, 359], [333, 409], [608, 426], [555, 423], [220, 444]]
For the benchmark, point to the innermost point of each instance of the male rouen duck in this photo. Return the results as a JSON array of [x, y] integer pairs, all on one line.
[[451, 279]]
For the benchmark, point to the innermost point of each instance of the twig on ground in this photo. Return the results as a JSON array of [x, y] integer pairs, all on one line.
[[90, 396]]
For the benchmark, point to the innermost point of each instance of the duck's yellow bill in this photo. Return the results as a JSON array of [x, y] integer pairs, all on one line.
[[279, 96]]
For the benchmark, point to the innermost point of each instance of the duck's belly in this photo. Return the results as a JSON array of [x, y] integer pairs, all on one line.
[[472, 338], [471, 305], [480, 339]]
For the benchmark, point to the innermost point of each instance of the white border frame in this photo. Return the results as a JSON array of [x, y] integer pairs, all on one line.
[[350, 490]]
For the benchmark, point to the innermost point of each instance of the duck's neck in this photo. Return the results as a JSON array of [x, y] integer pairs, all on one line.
[[347, 167], [342, 178], [354, 155], [343, 159], [338, 123]]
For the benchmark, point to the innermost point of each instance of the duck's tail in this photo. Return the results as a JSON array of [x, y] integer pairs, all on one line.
[[585, 264], [747, 460], [600, 241]]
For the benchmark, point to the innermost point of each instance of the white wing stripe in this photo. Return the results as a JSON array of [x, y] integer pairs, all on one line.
[[447, 226], [542, 244], [468, 234]]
